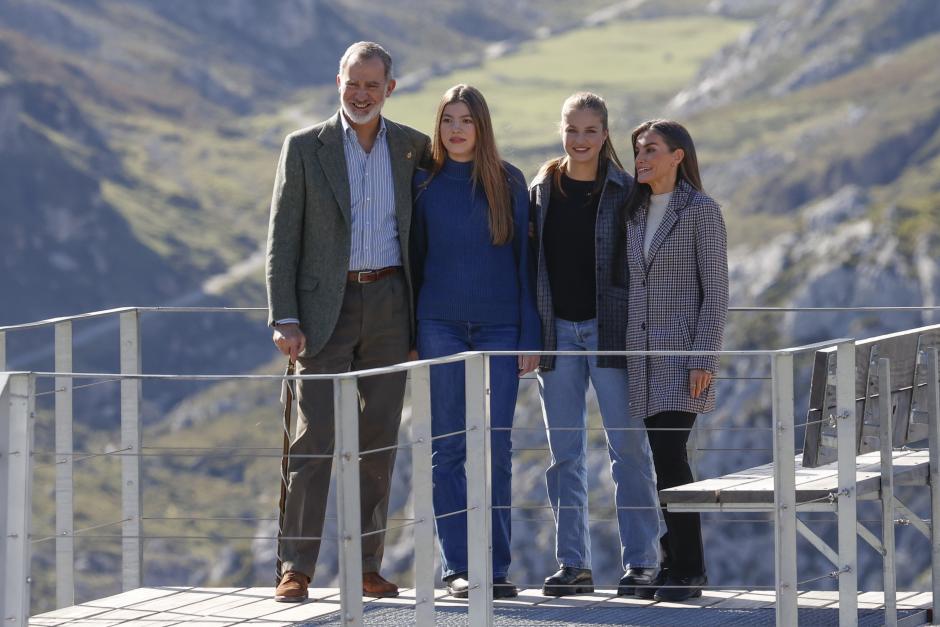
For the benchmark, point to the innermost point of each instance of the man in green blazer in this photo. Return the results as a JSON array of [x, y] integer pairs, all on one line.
[[340, 299]]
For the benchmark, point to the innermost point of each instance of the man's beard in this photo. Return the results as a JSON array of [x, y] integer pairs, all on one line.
[[361, 118]]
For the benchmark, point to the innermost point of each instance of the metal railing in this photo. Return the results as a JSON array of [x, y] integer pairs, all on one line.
[[17, 416]]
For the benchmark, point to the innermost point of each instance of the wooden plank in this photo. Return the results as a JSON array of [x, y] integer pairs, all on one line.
[[919, 600], [812, 439], [817, 598], [710, 488], [747, 599], [93, 622], [227, 602], [253, 603], [223, 598], [627, 601], [100, 606], [74, 612], [761, 482], [175, 601], [755, 485], [123, 614]]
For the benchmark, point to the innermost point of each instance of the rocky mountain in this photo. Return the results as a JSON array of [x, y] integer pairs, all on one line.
[[149, 128]]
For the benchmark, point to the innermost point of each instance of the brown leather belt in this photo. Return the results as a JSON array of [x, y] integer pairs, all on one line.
[[371, 276]]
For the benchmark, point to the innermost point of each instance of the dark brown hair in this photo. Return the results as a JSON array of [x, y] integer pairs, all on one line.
[[558, 166], [675, 136], [488, 170]]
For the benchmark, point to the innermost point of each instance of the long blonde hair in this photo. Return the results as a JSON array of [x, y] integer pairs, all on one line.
[[558, 166], [488, 170]]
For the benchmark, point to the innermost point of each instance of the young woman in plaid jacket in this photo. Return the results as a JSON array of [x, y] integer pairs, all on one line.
[[678, 260], [581, 292]]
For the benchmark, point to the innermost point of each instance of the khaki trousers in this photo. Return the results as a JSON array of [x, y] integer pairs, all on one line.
[[372, 332]]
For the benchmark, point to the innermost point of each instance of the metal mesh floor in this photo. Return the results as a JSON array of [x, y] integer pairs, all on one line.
[[625, 616]]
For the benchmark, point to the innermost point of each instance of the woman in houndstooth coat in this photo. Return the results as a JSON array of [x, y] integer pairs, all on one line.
[[678, 262]]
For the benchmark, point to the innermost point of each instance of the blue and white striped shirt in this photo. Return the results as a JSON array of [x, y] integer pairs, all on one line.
[[374, 226]]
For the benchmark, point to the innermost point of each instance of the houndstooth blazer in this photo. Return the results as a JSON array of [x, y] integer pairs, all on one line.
[[611, 285], [678, 301]]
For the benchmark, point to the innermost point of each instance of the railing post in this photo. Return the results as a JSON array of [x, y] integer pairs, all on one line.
[[933, 430], [423, 496], [132, 527], [3, 351], [784, 490], [17, 410], [64, 490], [886, 438], [346, 415], [479, 476], [847, 506]]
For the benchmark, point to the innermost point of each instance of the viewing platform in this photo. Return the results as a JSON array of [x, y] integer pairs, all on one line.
[[225, 607], [872, 425]]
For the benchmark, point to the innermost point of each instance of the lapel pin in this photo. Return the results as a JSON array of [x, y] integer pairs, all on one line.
[[408, 155]]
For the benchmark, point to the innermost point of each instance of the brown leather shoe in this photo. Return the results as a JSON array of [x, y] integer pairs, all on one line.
[[293, 587], [374, 585]]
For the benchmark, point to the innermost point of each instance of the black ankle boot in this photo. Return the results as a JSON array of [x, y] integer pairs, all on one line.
[[569, 580], [677, 589], [648, 592], [634, 578]]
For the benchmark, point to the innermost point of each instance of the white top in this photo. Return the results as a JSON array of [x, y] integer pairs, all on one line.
[[654, 218]]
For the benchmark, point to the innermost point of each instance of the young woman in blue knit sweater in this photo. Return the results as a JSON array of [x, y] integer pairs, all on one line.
[[474, 292], [582, 299]]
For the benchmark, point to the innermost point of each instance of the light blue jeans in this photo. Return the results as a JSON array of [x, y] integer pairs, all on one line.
[[631, 463]]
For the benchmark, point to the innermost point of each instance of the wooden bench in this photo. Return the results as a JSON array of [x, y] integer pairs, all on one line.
[[753, 489], [903, 360], [816, 473]]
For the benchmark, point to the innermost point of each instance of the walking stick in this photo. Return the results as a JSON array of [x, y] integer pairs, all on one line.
[[287, 398]]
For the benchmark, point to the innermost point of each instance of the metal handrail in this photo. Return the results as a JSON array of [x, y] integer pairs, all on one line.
[[457, 357], [157, 309], [347, 446]]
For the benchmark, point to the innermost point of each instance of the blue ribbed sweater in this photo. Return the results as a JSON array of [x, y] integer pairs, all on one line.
[[458, 273]]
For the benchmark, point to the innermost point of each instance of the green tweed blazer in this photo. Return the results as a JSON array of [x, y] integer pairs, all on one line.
[[309, 232]]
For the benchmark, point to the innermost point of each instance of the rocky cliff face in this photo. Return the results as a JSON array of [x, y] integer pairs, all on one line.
[[805, 43]]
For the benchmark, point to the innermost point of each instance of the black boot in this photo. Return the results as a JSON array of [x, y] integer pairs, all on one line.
[[633, 578], [678, 589], [647, 592], [504, 589], [568, 580]]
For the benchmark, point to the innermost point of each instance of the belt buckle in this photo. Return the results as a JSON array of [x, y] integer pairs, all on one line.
[[359, 274]]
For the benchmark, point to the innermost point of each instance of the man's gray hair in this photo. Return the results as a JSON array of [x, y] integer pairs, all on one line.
[[364, 50]]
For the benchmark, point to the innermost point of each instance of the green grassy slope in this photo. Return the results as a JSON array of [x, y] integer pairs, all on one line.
[[637, 65]]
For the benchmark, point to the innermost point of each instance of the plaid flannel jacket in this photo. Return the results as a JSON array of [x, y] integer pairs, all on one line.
[[678, 301], [611, 286]]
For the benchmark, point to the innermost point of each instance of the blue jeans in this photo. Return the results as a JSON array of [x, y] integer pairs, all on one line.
[[437, 338], [631, 463]]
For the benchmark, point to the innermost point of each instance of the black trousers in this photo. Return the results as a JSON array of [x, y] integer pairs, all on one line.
[[682, 548]]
